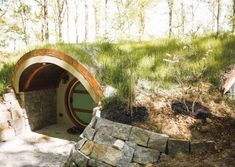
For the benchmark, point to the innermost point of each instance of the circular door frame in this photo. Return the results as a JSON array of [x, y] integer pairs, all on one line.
[[76, 121]]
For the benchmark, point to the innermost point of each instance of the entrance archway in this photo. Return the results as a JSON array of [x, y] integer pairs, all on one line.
[[41, 77]]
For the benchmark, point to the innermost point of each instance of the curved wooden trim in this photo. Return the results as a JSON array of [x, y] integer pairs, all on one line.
[[32, 75], [81, 70]]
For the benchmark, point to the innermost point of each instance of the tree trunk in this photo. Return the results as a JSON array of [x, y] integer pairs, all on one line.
[[106, 18], [97, 26], [233, 17], [218, 18], [67, 17], [170, 6], [142, 22], [182, 18], [86, 21], [45, 26]]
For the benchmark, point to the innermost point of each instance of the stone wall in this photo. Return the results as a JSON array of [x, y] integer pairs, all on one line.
[[13, 119], [40, 107], [105, 143]]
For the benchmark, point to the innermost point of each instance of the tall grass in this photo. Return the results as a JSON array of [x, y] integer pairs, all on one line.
[[115, 62]]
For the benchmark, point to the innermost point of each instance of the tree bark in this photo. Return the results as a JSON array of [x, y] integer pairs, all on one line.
[[218, 18], [233, 17], [106, 18], [142, 21], [170, 7], [45, 20], [86, 21]]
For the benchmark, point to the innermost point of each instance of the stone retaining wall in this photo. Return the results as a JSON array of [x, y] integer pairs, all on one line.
[[13, 119], [37, 110], [105, 143], [40, 107]]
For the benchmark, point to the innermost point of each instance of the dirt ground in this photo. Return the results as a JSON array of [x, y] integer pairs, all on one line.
[[156, 114]]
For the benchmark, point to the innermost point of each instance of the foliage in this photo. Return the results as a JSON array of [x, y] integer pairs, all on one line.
[[121, 64]]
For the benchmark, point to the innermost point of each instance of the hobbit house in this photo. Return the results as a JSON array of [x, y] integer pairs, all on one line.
[[55, 88]]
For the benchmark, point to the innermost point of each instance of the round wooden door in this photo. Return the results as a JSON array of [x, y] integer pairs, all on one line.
[[79, 104]]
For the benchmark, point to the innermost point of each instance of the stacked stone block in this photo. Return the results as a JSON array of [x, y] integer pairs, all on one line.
[[106, 143], [40, 106], [13, 119]]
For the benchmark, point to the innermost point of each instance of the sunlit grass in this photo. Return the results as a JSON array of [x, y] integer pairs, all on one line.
[[116, 62]]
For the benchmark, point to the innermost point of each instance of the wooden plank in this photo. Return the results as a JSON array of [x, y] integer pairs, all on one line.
[[81, 110], [32, 75], [81, 91]]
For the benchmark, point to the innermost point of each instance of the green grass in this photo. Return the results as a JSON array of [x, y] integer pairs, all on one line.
[[116, 62]]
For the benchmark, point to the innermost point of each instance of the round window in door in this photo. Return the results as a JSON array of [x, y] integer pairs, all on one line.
[[79, 104]]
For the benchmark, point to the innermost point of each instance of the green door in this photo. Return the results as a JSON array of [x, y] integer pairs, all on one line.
[[80, 105]]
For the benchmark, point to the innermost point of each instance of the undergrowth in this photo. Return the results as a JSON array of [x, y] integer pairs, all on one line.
[[122, 63]]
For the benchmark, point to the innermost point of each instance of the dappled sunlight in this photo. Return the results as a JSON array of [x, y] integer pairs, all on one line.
[[34, 149]]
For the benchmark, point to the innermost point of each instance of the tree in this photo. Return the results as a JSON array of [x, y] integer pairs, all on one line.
[[86, 21], [183, 17], [218, 17], [106, 18], [143, 4], [76, 19], [215, 8], [45, 28], [170, 8], [233, 17], [23, 10], [96, 18], [60, 5]]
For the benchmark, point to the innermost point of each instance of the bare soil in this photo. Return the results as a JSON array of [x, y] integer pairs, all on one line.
[[213, 119]]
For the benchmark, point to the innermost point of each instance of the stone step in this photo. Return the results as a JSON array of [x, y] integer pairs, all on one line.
[[7, 134], [3, 107], [5, 116], [9, 96]]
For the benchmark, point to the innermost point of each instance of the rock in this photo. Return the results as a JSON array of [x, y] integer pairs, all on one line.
[[109, 91], [139, 136], [3, 108], [205, 128], [208, 120], [131, 144], [92, 124], [19, 126], [94, 163], [121, 131], [80, 159], [89, 132], [128, 151], [4, 125], [134, 165], [144, 155], [118, 144], [104, 126], [106, 154], [176, 146], [200, 147], [80, 143], [87, 147], [163, 157], [101, 138], [127, 157], [9, 96], [5, 116], [7, 134], [158, 142]]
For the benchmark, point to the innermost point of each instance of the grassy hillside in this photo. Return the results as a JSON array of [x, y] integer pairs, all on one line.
[[121, 64]]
